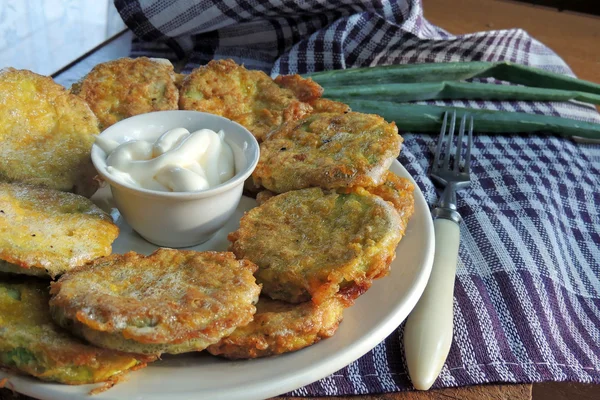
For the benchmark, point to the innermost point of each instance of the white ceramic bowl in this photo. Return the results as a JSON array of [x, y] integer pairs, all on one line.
[[179, 219]]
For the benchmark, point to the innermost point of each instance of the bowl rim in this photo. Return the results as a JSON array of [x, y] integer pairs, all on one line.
[[237, 179]]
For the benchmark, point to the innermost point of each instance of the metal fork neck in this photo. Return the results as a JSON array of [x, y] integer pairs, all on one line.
[[448, 197], [446, 206]]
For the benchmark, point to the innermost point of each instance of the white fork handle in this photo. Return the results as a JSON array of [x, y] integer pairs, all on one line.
[[428, 330]]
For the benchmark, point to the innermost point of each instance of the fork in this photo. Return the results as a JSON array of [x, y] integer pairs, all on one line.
[[428, 330]]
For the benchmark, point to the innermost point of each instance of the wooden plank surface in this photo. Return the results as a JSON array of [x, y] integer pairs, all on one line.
[[482, 392], [565, 391], [575, 37]]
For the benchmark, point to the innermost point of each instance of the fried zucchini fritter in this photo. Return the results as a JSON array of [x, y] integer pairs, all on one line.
[[399, 192], [396, 190], [310, 92], [328, 150], [313, 243], [46, 134], [248, 97], [46, 232], [119, 89], [31, 343], [329, 106], [171, 301], [281, 327], [263, 196], [304, 89]]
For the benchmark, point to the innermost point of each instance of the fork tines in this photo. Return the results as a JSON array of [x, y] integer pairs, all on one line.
[[447, 137]]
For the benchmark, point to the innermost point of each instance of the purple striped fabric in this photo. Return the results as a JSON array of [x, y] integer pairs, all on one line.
[[527, 297]]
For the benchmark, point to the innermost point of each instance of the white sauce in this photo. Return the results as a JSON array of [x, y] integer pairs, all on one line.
[[179, 161]]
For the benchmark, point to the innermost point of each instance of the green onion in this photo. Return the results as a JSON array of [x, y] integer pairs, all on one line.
[[400, 92], [439, 72], [380, 90], [426, 118]]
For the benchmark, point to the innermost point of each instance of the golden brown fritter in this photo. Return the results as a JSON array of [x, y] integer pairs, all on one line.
[[310, 92], [263, 196], [399, 192], [248, 97], [171, 301], [328, 150], [119, 89], [313, 243], [304, 89], [46, 134], [281, 327], [329, 106], [396, 190], [179, 80], [32, 344], [46, 232], [250, 189]]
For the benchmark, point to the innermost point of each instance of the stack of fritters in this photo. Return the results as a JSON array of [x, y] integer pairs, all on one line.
[[341, 214], [46, 134], [317, 251], [31, 343], [45, 233], [327, 226]]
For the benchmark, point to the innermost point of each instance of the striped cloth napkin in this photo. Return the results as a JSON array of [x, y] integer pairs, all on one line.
[[527, 297]]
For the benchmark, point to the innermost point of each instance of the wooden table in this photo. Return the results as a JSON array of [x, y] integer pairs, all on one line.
[[577, 42], [575, 37]]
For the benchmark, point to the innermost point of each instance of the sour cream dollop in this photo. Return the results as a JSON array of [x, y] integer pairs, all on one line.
[[179, 161]]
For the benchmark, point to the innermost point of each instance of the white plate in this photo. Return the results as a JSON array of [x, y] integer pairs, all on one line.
[[374, 316]]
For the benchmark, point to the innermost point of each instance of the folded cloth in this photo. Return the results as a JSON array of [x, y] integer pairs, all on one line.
[[527, 296]]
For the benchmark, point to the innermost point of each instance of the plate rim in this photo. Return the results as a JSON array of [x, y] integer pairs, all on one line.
[[306, 374]]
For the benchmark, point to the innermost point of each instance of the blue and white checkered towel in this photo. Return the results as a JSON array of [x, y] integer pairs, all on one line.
[[527, 297]]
